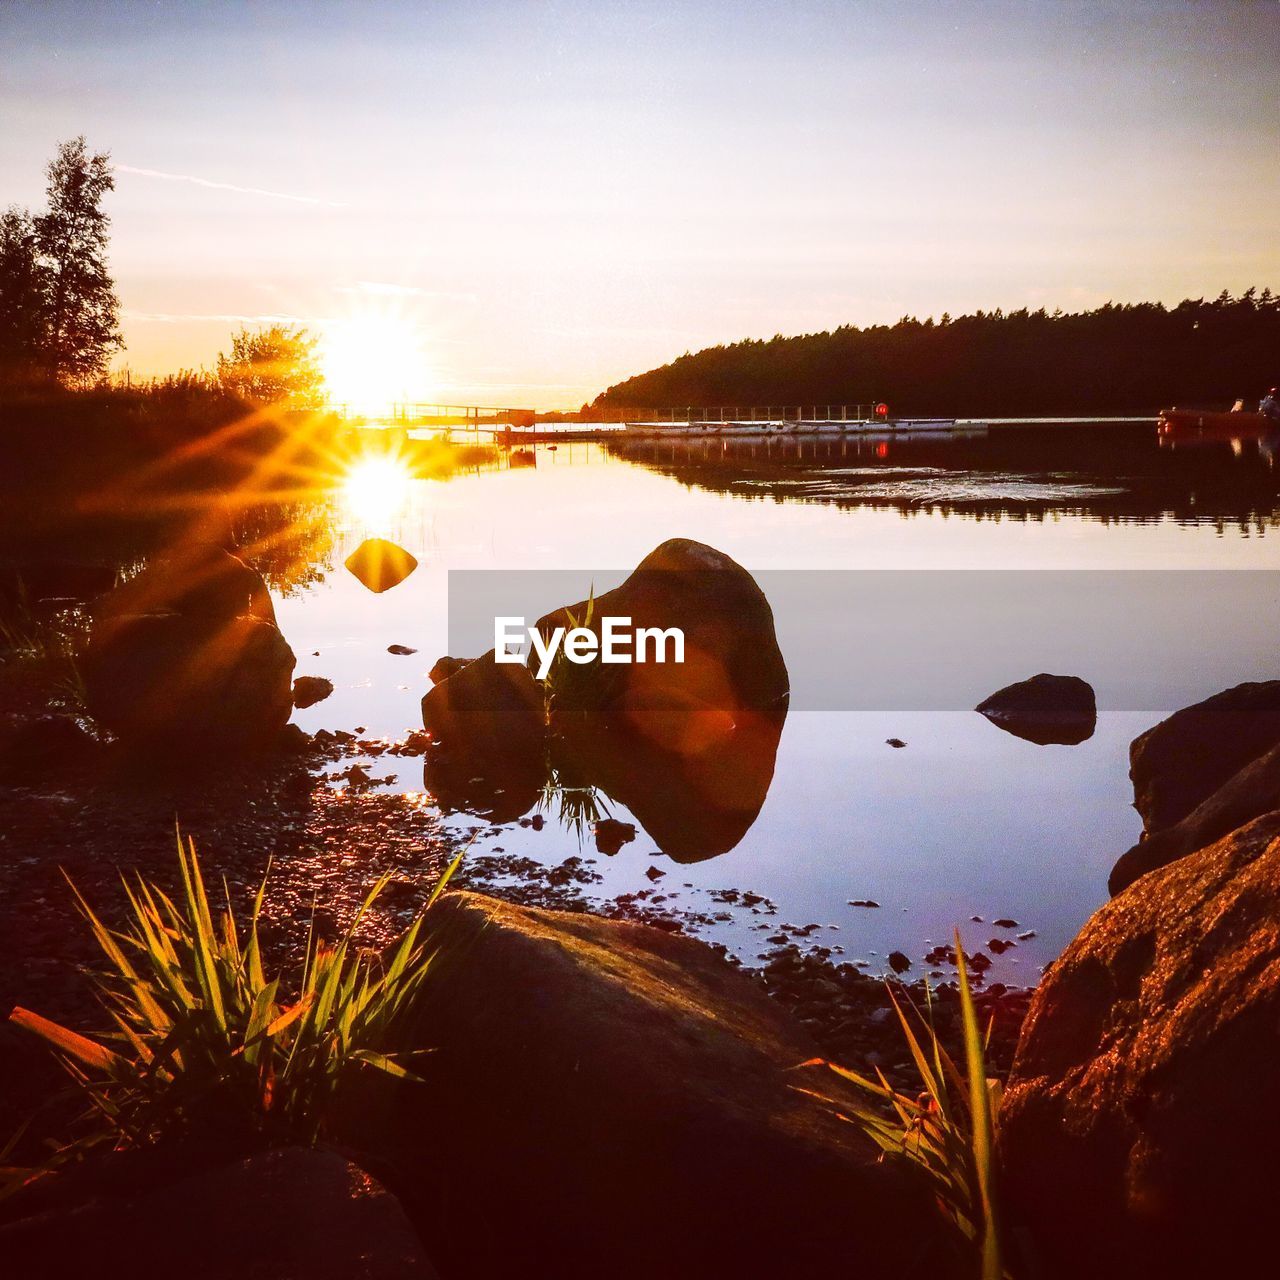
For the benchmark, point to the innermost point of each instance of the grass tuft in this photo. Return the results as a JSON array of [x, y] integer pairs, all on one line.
[[947, 1133], [205, 1042]]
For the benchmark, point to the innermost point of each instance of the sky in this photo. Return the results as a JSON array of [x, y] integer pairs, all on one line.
[[518, 204]]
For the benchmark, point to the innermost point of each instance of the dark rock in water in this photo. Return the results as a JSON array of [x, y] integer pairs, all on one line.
[[198, 580], [611, 834], [291, 1213], [308, 690], [696, 803], [1137, 1135], [560, 1035], [1253, 791], [32, 748], [1000, 945], [1044, 709], [1005, 923], [488, 710], [1183, 760], [446, 667], [171, 683], [732, 662], [655, 873], [895, 742], [400, 650], [863, 902], [899, 961], [380, 565], [489, 739]]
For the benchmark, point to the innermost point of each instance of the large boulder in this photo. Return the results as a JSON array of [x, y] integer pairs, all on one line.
[[199, 580], [1044, 709], [1137, 1135], [167, 682], [608, 1099], [289, 1214], [1183, 760], [1253, 791], [731, 659]]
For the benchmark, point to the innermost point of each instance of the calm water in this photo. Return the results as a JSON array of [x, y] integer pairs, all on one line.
[[966, 820]]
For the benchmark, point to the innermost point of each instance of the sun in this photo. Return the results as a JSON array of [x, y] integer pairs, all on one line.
[[373, 360]]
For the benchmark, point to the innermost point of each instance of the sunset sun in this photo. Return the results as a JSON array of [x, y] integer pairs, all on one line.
[[372, 361]]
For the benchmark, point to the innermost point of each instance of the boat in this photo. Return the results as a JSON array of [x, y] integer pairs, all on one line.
[[1222, 423]]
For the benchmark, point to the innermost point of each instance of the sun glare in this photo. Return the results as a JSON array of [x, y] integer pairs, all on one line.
[[372, 361], [376, 491]]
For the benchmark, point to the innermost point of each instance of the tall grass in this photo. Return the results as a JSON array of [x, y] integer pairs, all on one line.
[[205, 1042], [947, 1133]]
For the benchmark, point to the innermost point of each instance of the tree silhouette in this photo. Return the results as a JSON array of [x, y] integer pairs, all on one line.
[[273, 365], [1116, 359], [58, 307]]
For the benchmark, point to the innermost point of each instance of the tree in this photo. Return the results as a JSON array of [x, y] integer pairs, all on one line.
[[272, 365], [21, 298], [80, 306]]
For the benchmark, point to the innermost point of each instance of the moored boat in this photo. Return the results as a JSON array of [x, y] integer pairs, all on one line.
[[1232, 422]]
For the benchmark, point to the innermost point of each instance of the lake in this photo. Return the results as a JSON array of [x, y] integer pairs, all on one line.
[[964, 821]]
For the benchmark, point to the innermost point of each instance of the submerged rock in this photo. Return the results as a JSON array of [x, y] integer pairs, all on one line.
[[1044, 709], [446, 667], [1183, 760], [1253, 791], [627, 1101], [380, 565], [1136, 1134], [308, 690], [611, 835]]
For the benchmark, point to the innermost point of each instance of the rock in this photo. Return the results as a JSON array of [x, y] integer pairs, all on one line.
[[1005, 923], [198, 580], [897, 743], [611, 834], [1137, 1136], [731, 663], [34, 747], [863, 902], [600, 1079], [1183, 760], [400, 650], [308, 690], [1253, 791], [489, 720], [1044, 709], [446, 667], [899, 961], [380, 565], [287, 1214], [293, 741], [488, 708], [165, 682]]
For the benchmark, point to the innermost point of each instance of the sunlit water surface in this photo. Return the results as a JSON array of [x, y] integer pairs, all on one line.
[[966, 820]]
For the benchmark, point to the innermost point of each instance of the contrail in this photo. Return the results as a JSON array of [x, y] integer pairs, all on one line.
[[227, 186]]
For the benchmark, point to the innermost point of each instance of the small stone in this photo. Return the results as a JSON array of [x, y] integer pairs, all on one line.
[[1005, 924], [863, 902], [655, 873], [899, 962], [400, 650], [895, 742]]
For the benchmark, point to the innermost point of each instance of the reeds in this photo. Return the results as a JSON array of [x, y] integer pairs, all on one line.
[[947, 1133], [204, 1041]]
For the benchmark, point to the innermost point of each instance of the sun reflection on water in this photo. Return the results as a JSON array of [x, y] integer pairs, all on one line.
[[376, 492]]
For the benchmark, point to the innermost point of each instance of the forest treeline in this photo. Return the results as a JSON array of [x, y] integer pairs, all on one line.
[[1133, 358]]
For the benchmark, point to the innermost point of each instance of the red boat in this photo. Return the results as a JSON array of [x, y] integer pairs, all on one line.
[[1228, 424]]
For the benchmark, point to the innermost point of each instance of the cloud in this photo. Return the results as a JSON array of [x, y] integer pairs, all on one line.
[[227, 186], [183, 317]]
